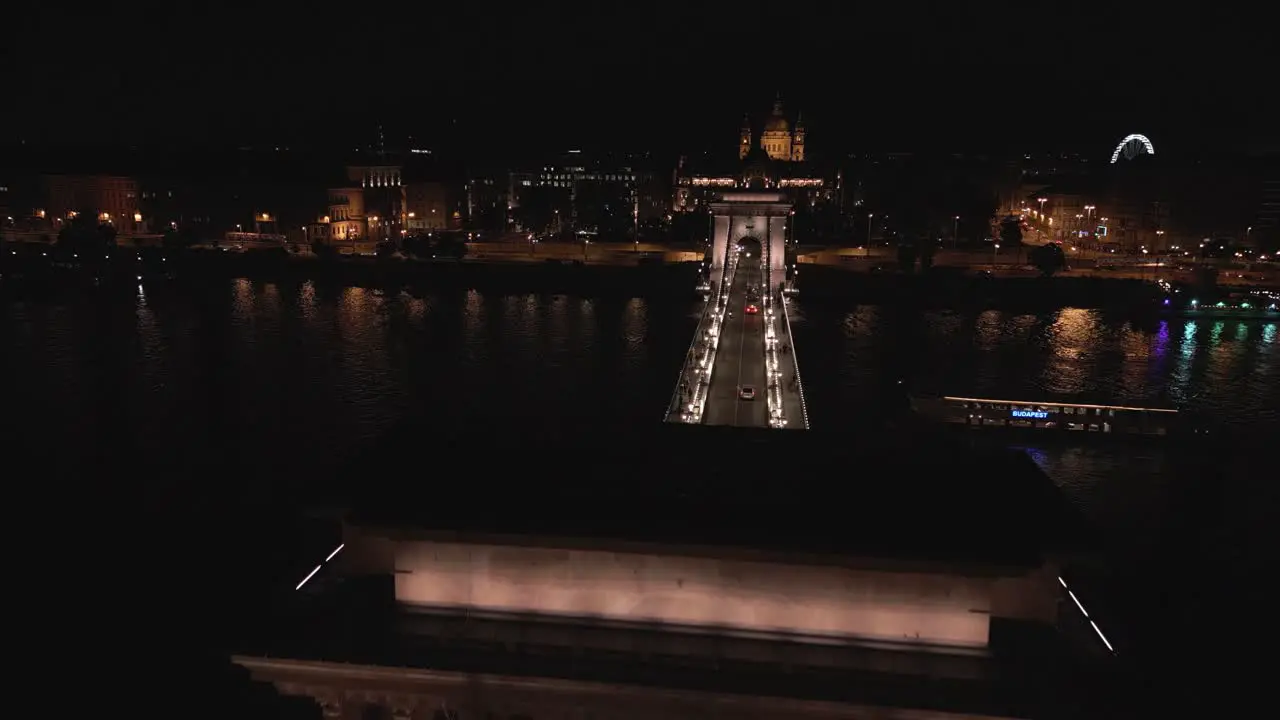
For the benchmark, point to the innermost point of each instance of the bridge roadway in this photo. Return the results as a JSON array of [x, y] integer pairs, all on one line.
[[740, 359]]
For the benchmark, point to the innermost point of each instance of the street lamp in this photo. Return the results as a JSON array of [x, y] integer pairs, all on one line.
[[955, 232], [868, 250]]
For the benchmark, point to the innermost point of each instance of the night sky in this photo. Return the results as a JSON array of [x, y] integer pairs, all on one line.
[[665, 77]]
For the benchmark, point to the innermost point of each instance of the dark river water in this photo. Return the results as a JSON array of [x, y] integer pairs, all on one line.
[[304, 373]]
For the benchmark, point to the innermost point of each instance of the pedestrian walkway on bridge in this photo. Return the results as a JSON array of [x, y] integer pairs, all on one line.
[[788, 393], [690, 397]]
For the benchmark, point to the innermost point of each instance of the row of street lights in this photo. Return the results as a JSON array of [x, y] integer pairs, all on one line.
[[697, 374], [773, 391], [955, 229]]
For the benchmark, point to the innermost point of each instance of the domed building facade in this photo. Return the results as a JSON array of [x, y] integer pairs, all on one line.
[[779, 139], [775, 160]]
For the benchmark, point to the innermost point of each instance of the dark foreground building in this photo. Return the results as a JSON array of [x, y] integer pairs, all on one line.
[[708, 574]]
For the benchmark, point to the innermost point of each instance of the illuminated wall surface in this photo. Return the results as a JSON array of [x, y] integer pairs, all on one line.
[[738, 594], [747, 223]]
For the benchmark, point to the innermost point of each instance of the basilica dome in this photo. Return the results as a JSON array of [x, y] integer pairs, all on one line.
[[777, 121]]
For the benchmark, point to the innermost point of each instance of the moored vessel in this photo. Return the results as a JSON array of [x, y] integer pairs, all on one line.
[[1050, 417], [1253, 305]]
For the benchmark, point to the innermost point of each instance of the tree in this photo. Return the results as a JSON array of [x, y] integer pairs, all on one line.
[[1205, 278], [1011, 231], [1011, 234], [690, 228], [417, 246], [1048, 258], [537, 209], [324, 251], [907, 254], [175, 239], [449, 245], [926, 249], [86, 239]]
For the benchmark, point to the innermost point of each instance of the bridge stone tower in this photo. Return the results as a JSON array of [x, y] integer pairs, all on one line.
[[758, 215]]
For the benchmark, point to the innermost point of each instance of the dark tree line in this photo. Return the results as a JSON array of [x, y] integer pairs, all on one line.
[[435, 246], [85, 239]]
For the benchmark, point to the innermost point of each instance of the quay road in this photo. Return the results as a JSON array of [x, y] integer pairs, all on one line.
[[740, 358]]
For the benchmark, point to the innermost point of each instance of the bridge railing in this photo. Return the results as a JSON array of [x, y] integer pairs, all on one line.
[[689, 398], [773, 376], [773, 391], [795, 362]]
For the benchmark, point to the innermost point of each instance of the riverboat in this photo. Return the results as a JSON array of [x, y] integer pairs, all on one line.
[[1258, 305], [1050, 418]]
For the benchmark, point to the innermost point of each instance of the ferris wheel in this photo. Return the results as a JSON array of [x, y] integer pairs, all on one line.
[[1132, 146]]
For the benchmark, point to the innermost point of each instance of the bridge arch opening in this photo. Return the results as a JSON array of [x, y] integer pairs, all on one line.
[[762, 217], [750, 246]]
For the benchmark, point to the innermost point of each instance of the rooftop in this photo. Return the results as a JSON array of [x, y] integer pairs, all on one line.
[[698, 166], [892, 496], [990, 687], [839, 492]]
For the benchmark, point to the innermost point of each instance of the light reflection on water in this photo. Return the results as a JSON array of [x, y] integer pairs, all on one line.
[[322, 369], [635, 325], [1232, 374], [357, 355], [297, 369], [1073, 340], [1199, 364], [1155, 508], [307, 373]]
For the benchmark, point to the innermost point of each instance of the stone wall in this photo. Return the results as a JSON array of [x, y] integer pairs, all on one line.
[[701, 592], [361, 692]]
